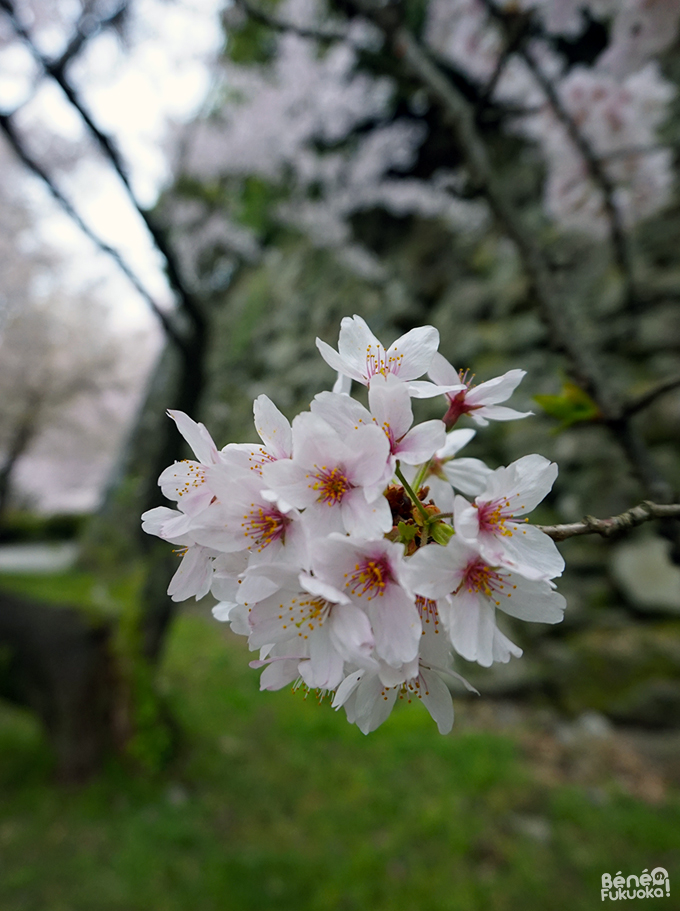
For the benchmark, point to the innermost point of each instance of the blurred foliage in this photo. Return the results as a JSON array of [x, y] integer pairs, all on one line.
[[17, 527], [572, 406]]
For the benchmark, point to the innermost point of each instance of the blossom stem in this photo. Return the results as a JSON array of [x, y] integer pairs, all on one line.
[[422, 474], [416, 502]]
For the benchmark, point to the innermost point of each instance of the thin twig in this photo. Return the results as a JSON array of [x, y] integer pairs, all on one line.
[[108, 147], [86, 28], [584, 361], [283, 25], [615, 525], [13, 138], [592, 161], [513, 40], [644, 401]]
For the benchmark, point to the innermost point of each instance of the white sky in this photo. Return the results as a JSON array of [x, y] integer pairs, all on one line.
[[132, 93]]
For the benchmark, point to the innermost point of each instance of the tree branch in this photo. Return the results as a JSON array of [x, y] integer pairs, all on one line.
[[13, 138], [592, 161], [644, 401], [87, 27], [108, 147], [615, 525], [572, 340], [282, 25]]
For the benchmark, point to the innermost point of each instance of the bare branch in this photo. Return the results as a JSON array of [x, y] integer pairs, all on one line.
[[110, 151], [282, 25], [87, 27], [584, 361], [615, 525], [13, 138], [592, 161], [515, 34], [644, 401]]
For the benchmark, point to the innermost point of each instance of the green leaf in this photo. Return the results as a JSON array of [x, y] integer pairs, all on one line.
[[572, 406], [407, 532], [440, 533]]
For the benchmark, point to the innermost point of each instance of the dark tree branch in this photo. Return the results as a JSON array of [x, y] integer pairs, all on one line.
[[592, 161], [514, 36], [281, 25], [615, 525], [110, 151], [86, 28], [26, 159], [584, 361], [644, 401]]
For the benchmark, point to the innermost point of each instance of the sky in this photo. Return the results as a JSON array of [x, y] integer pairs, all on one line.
[[133, 93]]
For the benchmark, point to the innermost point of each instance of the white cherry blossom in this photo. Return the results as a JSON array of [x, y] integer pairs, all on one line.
[[469, 591], [479, 402], [369, 572], [497, 520], [345, 548], [333, 477], [184, 482], [360, 355]]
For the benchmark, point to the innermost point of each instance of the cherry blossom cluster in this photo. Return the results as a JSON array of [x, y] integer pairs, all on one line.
[[355, 549]]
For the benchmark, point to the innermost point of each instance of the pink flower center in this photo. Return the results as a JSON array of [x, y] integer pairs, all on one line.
[[377, 361], [457, 402], [264, 525], [371, 577], [312, 612], [481, 579], [332, 485], [492, 519]]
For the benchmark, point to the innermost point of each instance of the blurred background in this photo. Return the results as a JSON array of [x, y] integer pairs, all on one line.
[[192, 192]]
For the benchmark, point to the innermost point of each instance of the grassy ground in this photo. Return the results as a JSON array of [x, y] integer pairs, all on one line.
[[277, 803]]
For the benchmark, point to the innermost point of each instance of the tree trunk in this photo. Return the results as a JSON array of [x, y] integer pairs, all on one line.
[[21, 439], [57, 662]]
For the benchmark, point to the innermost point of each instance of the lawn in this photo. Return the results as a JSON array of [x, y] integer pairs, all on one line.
[[275, 802]]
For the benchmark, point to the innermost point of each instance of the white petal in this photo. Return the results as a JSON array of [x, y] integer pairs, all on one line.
[[343, 413], [373, 704], [396, 626], [333, 359], [530, 552], [530, 600], [342, 385], [279, 673], [503, 648], [414, 352], [390, 404], [193, 576], [421, 389], [467, 475], [196, 436], [346, 688], [273, 427], [497, 413], [421, 442], [324, 668], [442, 372], [496, 390], [455, 440], [465, 519], [351, 632], [437, 700]]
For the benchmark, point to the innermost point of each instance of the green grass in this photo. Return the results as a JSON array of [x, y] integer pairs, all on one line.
[[277, 803]]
